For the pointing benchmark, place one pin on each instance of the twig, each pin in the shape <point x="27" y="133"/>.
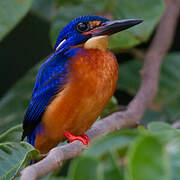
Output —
<point x="176" y="124"/>
<point x="138" y="54"/>
<point x="150" y="76"/>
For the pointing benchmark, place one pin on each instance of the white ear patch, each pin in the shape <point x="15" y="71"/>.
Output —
<point x="98" y="42"/>
<point x="60" y="44"/>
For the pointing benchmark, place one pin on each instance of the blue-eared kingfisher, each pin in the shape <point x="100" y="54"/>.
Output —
<point x="74" y="84"/>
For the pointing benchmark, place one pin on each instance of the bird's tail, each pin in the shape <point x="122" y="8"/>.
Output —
<point x="31" y="140"/>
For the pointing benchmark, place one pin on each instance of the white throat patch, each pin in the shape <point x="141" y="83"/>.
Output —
<point x="98" y="42"/>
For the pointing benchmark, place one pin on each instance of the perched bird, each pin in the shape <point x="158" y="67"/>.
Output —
<point x="74" y="84"/>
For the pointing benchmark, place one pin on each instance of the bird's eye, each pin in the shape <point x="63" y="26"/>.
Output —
<point x="82" y="27"/>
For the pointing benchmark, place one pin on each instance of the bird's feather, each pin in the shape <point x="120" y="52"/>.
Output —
<point x="50" y="81"/>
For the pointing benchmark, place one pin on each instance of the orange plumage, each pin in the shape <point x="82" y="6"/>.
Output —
<point x="91" y="83"/>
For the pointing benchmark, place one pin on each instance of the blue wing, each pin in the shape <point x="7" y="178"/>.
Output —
<point x="50" y="80"/>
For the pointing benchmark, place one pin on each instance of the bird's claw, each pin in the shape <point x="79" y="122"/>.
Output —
<point x="84" y="138"/>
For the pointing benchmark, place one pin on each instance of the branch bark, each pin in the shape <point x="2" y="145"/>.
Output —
<point x="131" y="117"/>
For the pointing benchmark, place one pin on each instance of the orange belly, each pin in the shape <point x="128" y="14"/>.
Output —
<point x="91" y="83"/>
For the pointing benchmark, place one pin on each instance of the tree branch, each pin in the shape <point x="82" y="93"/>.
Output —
<point x="129" y="118"/>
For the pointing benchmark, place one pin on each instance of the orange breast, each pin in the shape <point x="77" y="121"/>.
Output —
<point x="91" y="83"/>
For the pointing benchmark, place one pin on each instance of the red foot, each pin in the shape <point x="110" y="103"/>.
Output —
<point x="84" y="138"/>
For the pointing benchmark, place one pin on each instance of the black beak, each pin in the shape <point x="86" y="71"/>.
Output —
<point x="111" y="27"/>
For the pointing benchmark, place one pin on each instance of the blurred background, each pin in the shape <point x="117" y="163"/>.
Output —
<point x="28" y="30"/>
<point x="31" y="35"/>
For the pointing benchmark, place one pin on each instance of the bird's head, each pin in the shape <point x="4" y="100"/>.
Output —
<point x="91" y="32"/>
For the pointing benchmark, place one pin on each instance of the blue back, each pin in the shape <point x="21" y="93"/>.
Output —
<point x="50" y="80"/>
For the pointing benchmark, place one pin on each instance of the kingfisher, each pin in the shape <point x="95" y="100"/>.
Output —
<point x="74" y="84"/>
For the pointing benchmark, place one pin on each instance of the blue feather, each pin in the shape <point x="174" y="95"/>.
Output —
<point x="50" y="80"/>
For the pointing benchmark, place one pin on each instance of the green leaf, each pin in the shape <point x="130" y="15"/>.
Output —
<point x="169" y="94"/>
<point x="159" y="126"/>
<point x="112" y="141"/>
<point x="60" y="3"/>
<point x="163" y="131"/>
<point x="14" y="103"/>
<point x="129" y="80"/>
<point x="83" y="168"/>
<point x="110" y="167"/>
<point x="170" y="137"/>
<point x="151" y="115"/>
<point x="150" y="11"/>
<point x="44" y="9"/>
<point x="147" y="159"/>
<point x="129" y="76"/>
<point x="89" y="168"/>
<point x="13" y="156"/>
<point x="11" y="13"/>
<point x="12" y="135"/>
<point x="111" y="107"/>
<point x="173" y="150"/>
<point x="54" y="178"/>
